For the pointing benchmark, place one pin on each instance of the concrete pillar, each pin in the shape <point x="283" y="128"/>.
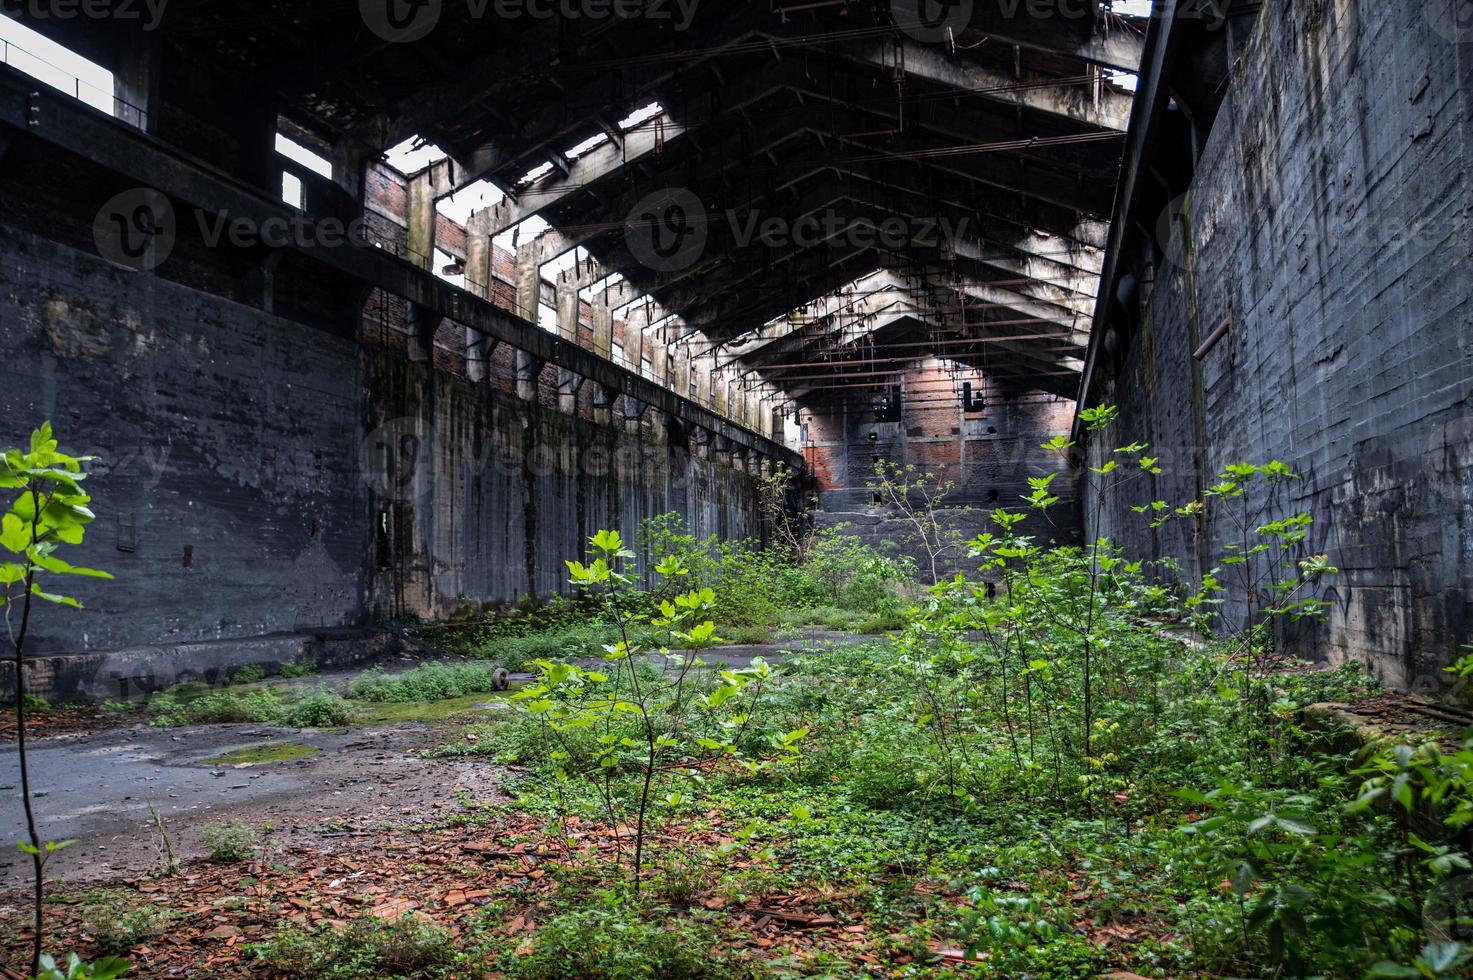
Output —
<point x="568" y="384"/>
<point x="633" y="410"/>
<point x="636" y="322"/>
<point x="603" y="330"/>
<point x="478" y="253"/>
<point x="567" y="306"/>
<point x="423" y="325"/>
<point x="421" y="221"/>
<point x="603" y="399"/>
<point x="136" y="80"/>
<point x="721" y="449"/>
<point x="529" y="280"/>
<point x="702" y="444"/>
<point x="528" y="369"/>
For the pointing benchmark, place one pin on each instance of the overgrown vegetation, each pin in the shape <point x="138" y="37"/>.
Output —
<point x="1066" y="762"/>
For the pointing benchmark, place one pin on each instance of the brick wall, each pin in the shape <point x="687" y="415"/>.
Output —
<point x="988" y="453"/>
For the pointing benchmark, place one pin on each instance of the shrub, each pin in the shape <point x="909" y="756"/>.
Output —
<point x="249" y="674"/>
<point x="218" y="708"/>
<point x="617" y="944"/>
<point x="428" y="682"/>
<point x="304" y="669"/>
<point x="230" y="843"/>
<point x="318" y="709"/>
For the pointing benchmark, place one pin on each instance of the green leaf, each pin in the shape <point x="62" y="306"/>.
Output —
<point x="60" y="600"/>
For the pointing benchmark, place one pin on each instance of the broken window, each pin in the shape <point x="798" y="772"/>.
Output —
<point x="588" y="293"/>
<point x="413" y="155"/>
<point x="588" y="145"/>
<point x="640" y="116"/>
<point x="535" y="174"/>
<point x="520" y="233"/>
<point x="449" y="268"/>
<point x="459" y="207"/>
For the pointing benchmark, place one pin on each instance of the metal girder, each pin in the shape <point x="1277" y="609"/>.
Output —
<point x="1073" y="101"/>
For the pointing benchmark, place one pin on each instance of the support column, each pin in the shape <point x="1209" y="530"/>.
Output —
<point x="529" y="280"/>
<point x="632" y="411"/>
<point x="136" y="80"/>
<point x="420" y="218"/>
<point x="567" y="308"/>
<point x="603" y="400"/>
<point x="702" y="440"/>
<point x="568" y="384"/>
<point x="528" y="369"/>
<point x="423" y="325"/>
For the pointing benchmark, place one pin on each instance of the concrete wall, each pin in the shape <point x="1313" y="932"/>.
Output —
<point x="259" y="476"/>
<point x="989" y="454"/>
<point x="1330" y="218"/>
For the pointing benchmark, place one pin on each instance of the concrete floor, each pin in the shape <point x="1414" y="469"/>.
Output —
<point x="96" y="787"/>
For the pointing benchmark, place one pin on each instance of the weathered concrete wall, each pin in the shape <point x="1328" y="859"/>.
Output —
<point x="1330" y="217"/>
<point x="262" y="477"/>
<point x="989" y="454"/>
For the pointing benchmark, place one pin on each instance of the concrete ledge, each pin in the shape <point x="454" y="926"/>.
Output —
<point x="136" y="671"/>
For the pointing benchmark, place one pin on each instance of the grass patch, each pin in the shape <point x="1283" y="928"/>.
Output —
<point x="427" y="712"/>
<point x="263" y="754"/>
<point x="428" y="682"/>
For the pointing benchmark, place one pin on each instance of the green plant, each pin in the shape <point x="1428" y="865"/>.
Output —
<point x="230" y="843"/>
<point x="50" y="510"/>
<point x="118" y="921"/>
<point x="618" y="944"/>
<point x="413" y="946"/>
<point x="654" y="725"/>
<point x="917" y="497"/>
<point x="306" y="668"/>
<point x="428" y="682"/>
<point x="107" y="968"/>
<point x="249" y="674"/>
<point x="318" y="709"/>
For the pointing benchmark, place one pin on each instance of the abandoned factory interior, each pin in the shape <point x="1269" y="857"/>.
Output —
<point x="736" y="489"/>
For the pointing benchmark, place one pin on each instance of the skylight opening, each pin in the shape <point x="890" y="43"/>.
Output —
<point x="297" y="153"/>
<point x="1131" y="8"/>
<point x="46" y="61"/>
<point x="459" y="207"/>
<point x="1124" y="79"/>
<point x="592" y="143"/>
<point x="413" y="155"/>
<point x="535" y="174"/>
<point x="640" y="116"/>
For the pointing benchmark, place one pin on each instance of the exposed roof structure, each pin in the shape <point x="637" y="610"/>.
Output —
<point x="822" y="189"/>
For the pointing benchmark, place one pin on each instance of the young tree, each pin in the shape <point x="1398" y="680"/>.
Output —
<point x="918" y="497"/>
<point x="50" y="509"/>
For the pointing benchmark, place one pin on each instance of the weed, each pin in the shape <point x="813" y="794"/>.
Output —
<point x="619" y="944"/>
<point x="305" y="668"/>
<point x="249" y="674"/>
<point x="230" y="843"/>
<point x="117" y="920"/>
<point x="412" y="947"/>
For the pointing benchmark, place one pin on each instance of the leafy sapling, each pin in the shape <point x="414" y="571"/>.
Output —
<point x="49" y="510"/>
